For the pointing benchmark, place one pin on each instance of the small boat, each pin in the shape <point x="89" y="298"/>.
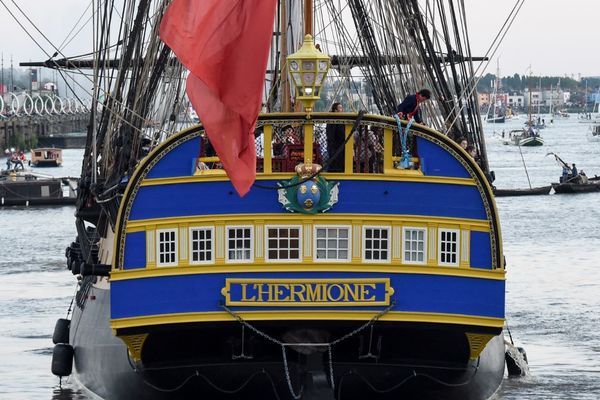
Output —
<point x="46" y="157"/>
<point x="499" y="119"/>
<point x="574" y="181"/>
<point x="27" y="189"/>
<point x="525" y="137"/>
<point x="541" y="190"/>
<point x="578" y="184"/>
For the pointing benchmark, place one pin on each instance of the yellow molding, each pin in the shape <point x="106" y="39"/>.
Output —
<point x="321" y="219"/>
<point x="396" y="175"/>
<point x="268" y="149"/>
<point x="308" y="142"/>
<point x="205" y="269"/>
<point x="348" y="150"/>
<point x="135" y="343"/>
<point x="477" y="343"/>
<point x="289" y="315"/>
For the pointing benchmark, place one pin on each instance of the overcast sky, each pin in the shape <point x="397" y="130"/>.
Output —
<point x="554" y="37"/>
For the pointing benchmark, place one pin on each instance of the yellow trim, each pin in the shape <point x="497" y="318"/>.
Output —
<point x="388" y="163"/>
<point x="137" y="228"/>
<point x="135" y="344"/>
<point x="296" y="315"/>
<point x="396" y="175"/>
<point x="298" y="219"/>
<point x="215" y="174"/>
<point x="268" y="149"/>
<point x="348" y="150"/>
<point x="308" y="142"/>
<point x="222" y="268"/>
<point x="477" y="343"/>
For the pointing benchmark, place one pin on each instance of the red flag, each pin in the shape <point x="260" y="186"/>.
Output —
<point x="225" y="45"/>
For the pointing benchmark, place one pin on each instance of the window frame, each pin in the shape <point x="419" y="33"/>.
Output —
<point x="364" y="244"/>
<point x="425" y="245"/>
<point x="170" y="264"/>
<point x="334" y="260"/>
<point x="439" y="249"/>
<point x="277" y="260"/>
<point x="191" y="241"/>
<point x="236" y="261"/>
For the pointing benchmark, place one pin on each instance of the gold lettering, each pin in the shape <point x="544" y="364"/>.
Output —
<point x="297" y="290"/>
<point x="340" y="293"/>
<point x="364" y="291"/>
<point x="315" y="293"/>
<point x="352" y="290"/>
<point x="278" y="291"/>
<point x="305" y="292"/>
<point x="260" y="292"/>
<point x="245" y="294"/>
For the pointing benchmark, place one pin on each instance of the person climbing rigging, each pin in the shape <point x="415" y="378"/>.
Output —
<point x="410" y="106"/>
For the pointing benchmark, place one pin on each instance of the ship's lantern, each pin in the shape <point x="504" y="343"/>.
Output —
<point x="308" y="69"/>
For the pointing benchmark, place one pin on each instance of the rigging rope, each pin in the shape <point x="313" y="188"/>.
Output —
<point x="403" y="134"/>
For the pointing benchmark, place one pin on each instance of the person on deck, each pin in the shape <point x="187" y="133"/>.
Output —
<point x="336" y="135"/>
<point x="565" y="174"/>
<point x="410" y="106"/>
<point x="463" y="142"/>
<point x="574" y="170"/>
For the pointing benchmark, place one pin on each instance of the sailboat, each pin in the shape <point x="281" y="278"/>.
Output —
<point x="385" y="278"/>
<point x="594" y="116"/>
<point x="529" y="135"/>
<point x="554" y="112"/>
<point x="493" y="115"/>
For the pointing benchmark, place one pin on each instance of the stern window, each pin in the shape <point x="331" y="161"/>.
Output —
<point x="414" y="246"/>
<point x="201" y="245"/>
<point x="167" y="247"/>
<point x="239" y="244"/>
<point x="376" y="244"/>
<point x="448" y="250"/>
<point x="332" y="244"/>
<point x="283" y="244"/>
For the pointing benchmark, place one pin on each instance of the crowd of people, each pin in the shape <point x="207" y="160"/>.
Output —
<point x="368" y="140"/>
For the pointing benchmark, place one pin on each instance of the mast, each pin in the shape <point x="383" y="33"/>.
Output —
<point x="286" y="104"/>
<point x="551" y="99"/>
<point x="308" y="17"/>
<point x="540" y="98"/>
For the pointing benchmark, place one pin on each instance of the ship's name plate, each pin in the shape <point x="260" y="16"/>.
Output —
<point x="307" y="292"/>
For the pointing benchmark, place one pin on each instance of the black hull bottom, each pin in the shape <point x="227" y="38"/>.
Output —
<point x="183" y="362"/>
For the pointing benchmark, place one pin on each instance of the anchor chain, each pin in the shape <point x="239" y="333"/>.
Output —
<point x="329" y="345"/>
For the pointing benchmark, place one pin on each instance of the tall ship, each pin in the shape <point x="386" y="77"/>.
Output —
<point x="372" y="268"/>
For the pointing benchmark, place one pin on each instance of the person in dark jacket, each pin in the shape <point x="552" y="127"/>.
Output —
<point x="336" y="135"/>
<point x="409" y="107"/>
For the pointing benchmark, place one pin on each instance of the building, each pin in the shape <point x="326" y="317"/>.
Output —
<point x="516" y="100"/>
<point x="484" y="99"/>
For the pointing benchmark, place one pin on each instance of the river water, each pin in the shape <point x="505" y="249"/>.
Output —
<point x="551" y="243"/>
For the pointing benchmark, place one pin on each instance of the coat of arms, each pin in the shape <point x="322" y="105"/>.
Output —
<point x="308" y="192"/>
